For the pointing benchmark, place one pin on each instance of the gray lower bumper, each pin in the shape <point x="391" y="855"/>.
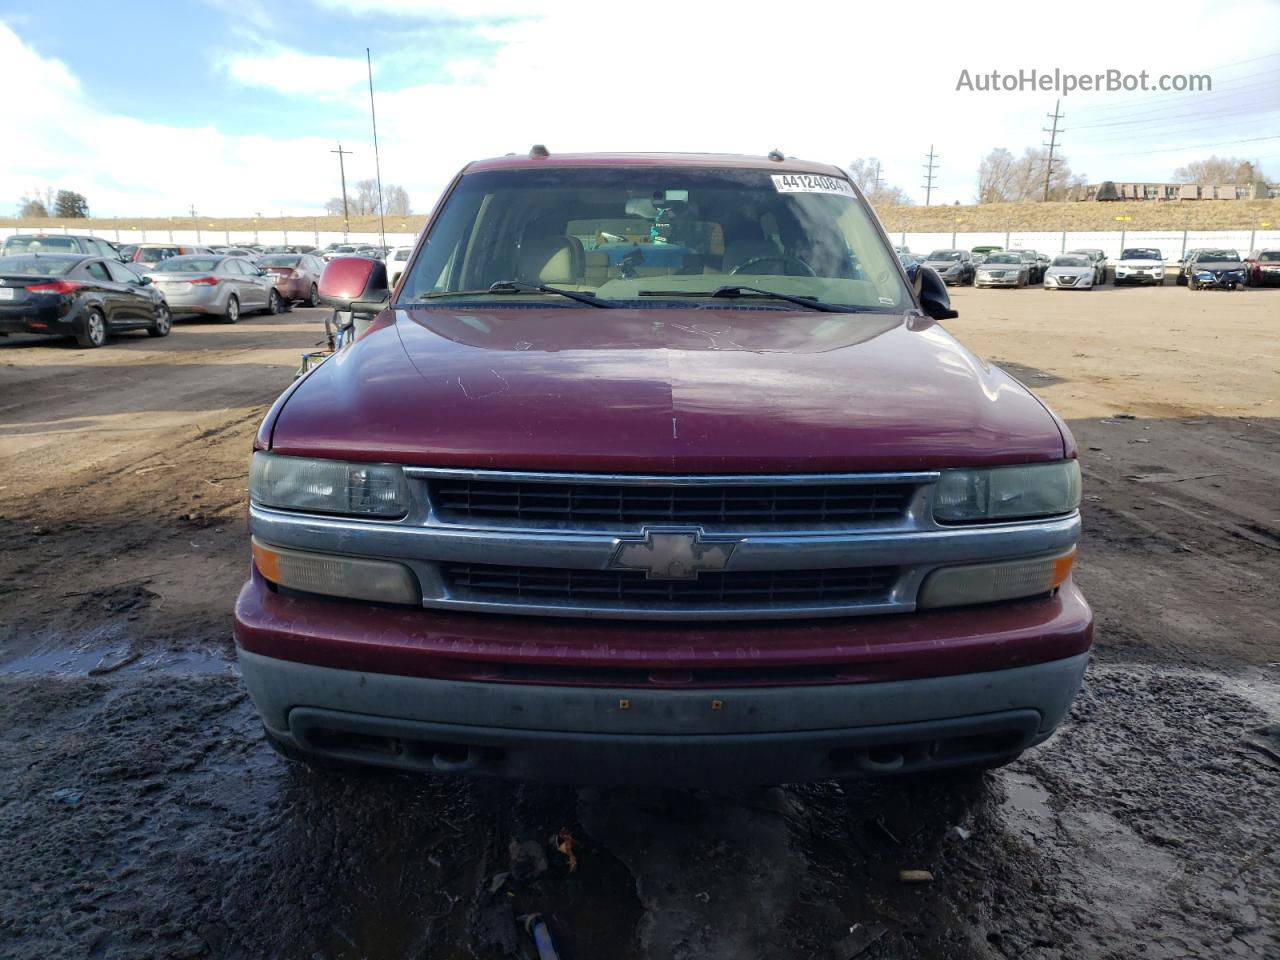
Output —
<point x="674" y="737"/>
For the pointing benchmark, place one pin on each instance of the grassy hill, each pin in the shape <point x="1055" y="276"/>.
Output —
<point x="1183" y="215"/>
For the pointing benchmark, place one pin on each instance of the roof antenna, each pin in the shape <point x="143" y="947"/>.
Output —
<point x="377" y="164"/>
<point x="538" y="150"/>
<point x="776" y="155"/>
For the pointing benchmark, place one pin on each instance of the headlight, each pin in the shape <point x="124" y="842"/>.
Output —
<point x="1007" y="493"/>
<point x="328" y="486"/>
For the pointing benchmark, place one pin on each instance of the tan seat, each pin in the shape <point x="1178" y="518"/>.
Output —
<point x="551" y="258"/>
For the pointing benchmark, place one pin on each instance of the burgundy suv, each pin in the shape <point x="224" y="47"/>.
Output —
<point x="658" y="468"/>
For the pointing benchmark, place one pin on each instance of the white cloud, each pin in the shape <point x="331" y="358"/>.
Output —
<point x="292" y="72"/>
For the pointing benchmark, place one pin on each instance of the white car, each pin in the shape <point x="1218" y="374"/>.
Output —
<point x="1070" y="271"/>
<point x="396" y="261"/>
<point x="1140" y="265"/>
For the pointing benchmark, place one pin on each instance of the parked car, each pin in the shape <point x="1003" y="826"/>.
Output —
<point x="1003" y="270"/>
<point x="1071" y="271"/>
<point x="776" y="526"/>
<point x="1262" y="268"/>
<point x="954" y="266"/>
<point x="1099" y="260"/>
<point x="297" y="275"/>
<point x="908" y="261"/>
<point x="74" y="295"/>
<point x="152" y="253"/>
<point x="1218" y="268"/>
<point x="341" y="250"/>
<point x="1140" y="265"/>
<point x="1036" y="265"/>
<point x="225" y="287"/>
<point x="59" y="243"/>
<point x="396" y="261"/>
<point x="980" y="253"/>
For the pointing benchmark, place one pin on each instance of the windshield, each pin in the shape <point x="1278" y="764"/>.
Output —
<point x="156" y="254"/>
<point x="35" y="266"/>
<point x="1141" y="253"/>
<point x="279" y="260"/>
<point x="1219" y="255"/>
<point x="187" y="265"/>
<point x="630" y="232"/>
<point x="1071" y="261"/>
<point x="1269" y="256"/>
<point x="1004" y="258"/>
<point x="41" y="245"/>
<point x="944" y="255"/>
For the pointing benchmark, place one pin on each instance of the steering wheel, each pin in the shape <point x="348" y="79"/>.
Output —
<point x="779" y="258"/>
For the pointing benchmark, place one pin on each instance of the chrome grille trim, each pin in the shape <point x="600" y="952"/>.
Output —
<point x="626" y="503"/>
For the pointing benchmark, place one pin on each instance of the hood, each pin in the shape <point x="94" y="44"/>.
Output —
<point x="662" y="391"/>
<point x="1069" y="272"/>
<point x="944" y="264"/>
<point x="1139" y="263"/>
<point x="1218" y="265"/>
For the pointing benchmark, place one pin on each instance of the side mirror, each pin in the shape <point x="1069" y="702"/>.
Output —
<point x="932" y="294"/>
<point x="144" y="280"/>
<point x="356" y="284"/>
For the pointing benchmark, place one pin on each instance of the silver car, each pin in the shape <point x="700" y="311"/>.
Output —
<point x="217" y="286"/>
<point x="1003" y="270"/>
<point x="1071" y="271"/>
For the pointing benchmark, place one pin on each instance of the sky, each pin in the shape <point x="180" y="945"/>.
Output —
<point x="233" y="106"/>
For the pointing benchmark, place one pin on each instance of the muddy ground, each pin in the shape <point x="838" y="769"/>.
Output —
<point x="141" y="814"/>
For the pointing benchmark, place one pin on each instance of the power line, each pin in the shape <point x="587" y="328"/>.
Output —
<point x="1174" y="120"/>
<point x="1201" y="126"/>
<point x="1194" y="146"/>
<point x="1200" y="103"/>
<point x="929" y="175"/>
<point x="1053" y="141"/>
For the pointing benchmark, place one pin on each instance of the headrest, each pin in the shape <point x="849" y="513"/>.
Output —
<point x="551" y="259"/>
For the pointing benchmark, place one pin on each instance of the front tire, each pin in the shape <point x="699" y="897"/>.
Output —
<point x="163" y="322"/>
<point x="233" y="310"/>
<point x="93" y="330"/>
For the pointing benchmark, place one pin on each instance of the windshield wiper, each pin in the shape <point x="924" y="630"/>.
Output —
<point x="735" y="290"/>
<point x="519" y="286"/>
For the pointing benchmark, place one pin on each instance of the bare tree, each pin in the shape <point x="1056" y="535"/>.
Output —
<point x="1004" y="179"/>
<point x="37" y="202"/>
<point x="365" y="199"/>
<point x="396" y="199"/>
<point x="1221" y="170"/>
<point x="333" y="206"/>
<point x="866" y="174"/>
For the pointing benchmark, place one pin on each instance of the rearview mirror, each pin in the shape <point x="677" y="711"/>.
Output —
<point x="347" y="281"/>
<point x="932" y="294"/>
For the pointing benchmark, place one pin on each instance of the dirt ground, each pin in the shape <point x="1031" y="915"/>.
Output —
<point x="141" y="814"/>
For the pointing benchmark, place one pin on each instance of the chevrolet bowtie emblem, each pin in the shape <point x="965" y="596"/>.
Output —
<point x="672" y="554"/>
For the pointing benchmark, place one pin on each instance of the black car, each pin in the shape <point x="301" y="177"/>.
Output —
<point x="954" y="266"/>
<point x="1035" y="265"/>
<point x="88" y="298"/>
<point x="59" y="243"/>
<point x="1215" y="268"/>
<point x="1187" y="257"/>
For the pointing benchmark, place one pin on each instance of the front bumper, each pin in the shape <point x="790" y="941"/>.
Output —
<point x="1077" y="283"/>
<point x="578" y="701"/>
<point x="1266" y="278"/>
<point x="1005" y="281"/>
<point x="1140" y="277"/>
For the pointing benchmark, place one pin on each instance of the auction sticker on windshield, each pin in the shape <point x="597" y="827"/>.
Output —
<point x="811" y="183"/>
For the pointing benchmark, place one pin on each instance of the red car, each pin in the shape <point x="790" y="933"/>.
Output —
<point x="659" y="469"/>
<point x="297" y="275"/>
<point x="1262" y="268"/>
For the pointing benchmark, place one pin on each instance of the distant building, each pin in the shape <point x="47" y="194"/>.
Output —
<point x="1118" y="190"/>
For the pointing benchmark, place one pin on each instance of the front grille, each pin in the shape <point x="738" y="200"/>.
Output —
<point x="835" y="505"/>
<point x="1067" y="281"/>
<point x="609" y="588"/>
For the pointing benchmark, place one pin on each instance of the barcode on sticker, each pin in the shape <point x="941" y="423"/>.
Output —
<point x="811" y="183"/>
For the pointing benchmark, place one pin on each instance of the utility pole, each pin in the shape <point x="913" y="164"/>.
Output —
<point x="195" y="223"/>
<point x="929" y="175"/>
<point x="875" y="183"/>
<point x="342" y="171"/>
<point x="1053" y="142"/>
